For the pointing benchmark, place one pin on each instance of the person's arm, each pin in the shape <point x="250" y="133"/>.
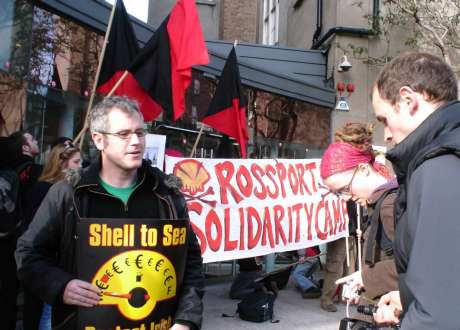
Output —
<point x="190" y="306"/>
<point x="37" y="248"/>
<point x="433" y="211"/>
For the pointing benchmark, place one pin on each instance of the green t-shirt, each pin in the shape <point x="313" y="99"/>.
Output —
<point x="122" y="193"/>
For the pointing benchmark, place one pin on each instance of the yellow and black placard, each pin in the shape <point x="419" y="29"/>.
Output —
<point x="138" y="264"/>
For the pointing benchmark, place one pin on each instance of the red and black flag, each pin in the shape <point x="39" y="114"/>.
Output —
<point x="164" y="66"/>
<point x="121" y="50"/>
<point x="227" y="111"/>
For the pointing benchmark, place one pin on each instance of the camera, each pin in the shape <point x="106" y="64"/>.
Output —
<point x="350" y="323"/>
<point x="344" y="64"/>
<point x="348" y="292"/>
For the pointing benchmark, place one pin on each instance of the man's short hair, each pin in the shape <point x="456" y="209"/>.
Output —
<point x="425" y="73"/>
<point x="17" y="140"/>
<point x="98" y="118"/>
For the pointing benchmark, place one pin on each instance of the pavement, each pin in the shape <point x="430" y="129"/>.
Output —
<point x="294" y="312"/>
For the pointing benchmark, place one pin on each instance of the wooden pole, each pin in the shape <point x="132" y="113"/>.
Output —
<point x="192" y="153"/>
<point x="98" y="71"/>
<point x="347" y="247"/>
<point x="114" y="88"/>
<point x="358" y="231"/>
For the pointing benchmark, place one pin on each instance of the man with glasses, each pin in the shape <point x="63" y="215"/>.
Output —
<point x="119" y="184"/>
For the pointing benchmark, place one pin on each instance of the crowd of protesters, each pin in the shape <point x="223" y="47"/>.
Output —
<point x="409" y="227"/>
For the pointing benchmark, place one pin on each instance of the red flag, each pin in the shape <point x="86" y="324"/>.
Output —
<point x="164" y="66"/>
<point x="227" y="111"/>
<point x="121" y="50"/>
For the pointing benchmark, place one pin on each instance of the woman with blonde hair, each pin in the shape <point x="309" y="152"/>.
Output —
<point x="62" y="157"/>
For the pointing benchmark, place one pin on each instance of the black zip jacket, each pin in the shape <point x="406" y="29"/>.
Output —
<point x="427" y="211"/>
<point x="45" y="253"/>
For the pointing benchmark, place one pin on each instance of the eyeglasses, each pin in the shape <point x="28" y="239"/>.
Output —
<point x="346" y="190"/>
<point x="127" y="134"/>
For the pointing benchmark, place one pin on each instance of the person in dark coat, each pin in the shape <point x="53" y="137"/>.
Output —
<point x="29" y="172"/>
<point x="415" y="97"/>
<point x="119" y="184"/>
<point x="348" y="168"/>
<point x="17" y="152"/>
<point x="9" y="204"/>
<point x="62" y="157"/>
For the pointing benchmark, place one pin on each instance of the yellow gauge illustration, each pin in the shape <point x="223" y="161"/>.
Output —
<point x="135" y="281"/>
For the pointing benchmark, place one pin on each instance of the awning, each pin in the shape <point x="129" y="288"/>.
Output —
<point x="295" y="73"/>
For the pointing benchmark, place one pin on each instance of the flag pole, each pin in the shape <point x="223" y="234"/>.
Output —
<point x="202" y="126"/>
<point x="98" y="71"/>
<point x="196" y="141"/>
<point x="119" y="81"/>
<point x="358" y="232"/>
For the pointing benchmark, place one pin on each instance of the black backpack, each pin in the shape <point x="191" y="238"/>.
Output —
<point x="10" y="204"/>
<point x="257" y="307"/>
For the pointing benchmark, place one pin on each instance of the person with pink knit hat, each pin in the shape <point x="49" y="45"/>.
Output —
<point x="349" y="169"/>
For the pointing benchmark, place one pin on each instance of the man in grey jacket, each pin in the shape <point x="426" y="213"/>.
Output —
<point x="415" y="97"/>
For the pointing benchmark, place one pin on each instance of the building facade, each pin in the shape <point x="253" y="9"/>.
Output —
<point x="338" y="28"/>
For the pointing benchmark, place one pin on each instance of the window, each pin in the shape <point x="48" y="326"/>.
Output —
<point x="271" y="22"/>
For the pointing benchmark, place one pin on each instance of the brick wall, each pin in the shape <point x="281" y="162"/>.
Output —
<point x="239" y="20"/>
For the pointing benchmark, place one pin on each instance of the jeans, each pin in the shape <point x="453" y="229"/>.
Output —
<point x="45" y="321"/>
<point x="303" y="274"/>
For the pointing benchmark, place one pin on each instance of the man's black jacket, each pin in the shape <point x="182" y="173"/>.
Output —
<point x="45" y="253"/>
<point x="427" y="211"/>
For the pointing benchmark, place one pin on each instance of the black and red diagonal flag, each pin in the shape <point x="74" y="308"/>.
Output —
<point x="227" y="111"/>
<point x="164" y="66"/>
<point x="121" y="50"/>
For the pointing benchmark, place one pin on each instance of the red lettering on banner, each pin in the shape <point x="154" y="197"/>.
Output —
<point x="343" y="227"/>
<point x="228" y="244"/>
<point x="293" y="179"/>
<point x="281" y="170"/>
<point x="296" y="208"/>
<point x="328" y="219"/>
<point x="309" y="212"/>
<point x="197" y="208"/>
<point x="301" y="171"/>
<point x="337" y="215"/>
<point x="321" y="235"/>
<point x="241" y="212"/>
<point x="213" y="220"/>
<point x="270" y="171"/>
<point x="310" y="167"/>
<point x="224" y="181"/>
<point x="258" y="172"/>
<point x="253" y="239"/>
<point x="290" y="224"/>
<point x="267" y="229"/>
<point x="279" y="216"/>
<point x="244" y="181"/>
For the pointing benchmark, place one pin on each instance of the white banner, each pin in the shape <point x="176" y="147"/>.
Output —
<point x="242" y="208"/>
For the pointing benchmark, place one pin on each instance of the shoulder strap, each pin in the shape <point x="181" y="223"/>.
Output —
<point x="375" y="224"/>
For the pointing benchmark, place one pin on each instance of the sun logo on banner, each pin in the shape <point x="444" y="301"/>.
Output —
<point x="135" y="281"/>
<point x="194" y="177"/>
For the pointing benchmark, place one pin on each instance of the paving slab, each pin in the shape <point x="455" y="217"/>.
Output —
<point x="294" y="312"/>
